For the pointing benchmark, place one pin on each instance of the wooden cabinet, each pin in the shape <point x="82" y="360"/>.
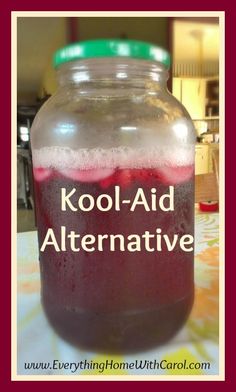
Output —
<point x="212" y="147"/>
<point x="203" y="158"/>
<point x="177" y="88"/>
<point x="200" y="96"/>
<point x="192" y="93"/>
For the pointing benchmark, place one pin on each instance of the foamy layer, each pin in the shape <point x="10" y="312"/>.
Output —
<point x="120" y="157"/>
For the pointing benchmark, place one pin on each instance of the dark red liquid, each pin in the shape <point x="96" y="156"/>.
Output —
<point x="116" y="301"/>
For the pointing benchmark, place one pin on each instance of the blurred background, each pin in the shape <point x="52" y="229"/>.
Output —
<point x="194" y="77"/>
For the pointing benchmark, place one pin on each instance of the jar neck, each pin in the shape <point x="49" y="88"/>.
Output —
<point x="113" y="73"/>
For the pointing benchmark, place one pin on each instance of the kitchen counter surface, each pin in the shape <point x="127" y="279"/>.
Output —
<point x="196" y="342"/>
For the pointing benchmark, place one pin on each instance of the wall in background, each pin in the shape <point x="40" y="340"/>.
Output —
<point x="38" y="38"/>
<point x="195" y="45"/>
<point x="49" y="80"/>
<point x="146" y="29"/>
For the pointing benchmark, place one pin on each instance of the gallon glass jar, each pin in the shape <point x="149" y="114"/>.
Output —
<point x="113" y="161"/>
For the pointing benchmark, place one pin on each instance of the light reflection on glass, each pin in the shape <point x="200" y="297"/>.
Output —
<point x="81" y="76"/>
<point x="66" y="128"/>
<point x="128" y="128"/>
<point x="121" y="75"/>
<point x="181" y="130"/>
<point x="155" y="76"/>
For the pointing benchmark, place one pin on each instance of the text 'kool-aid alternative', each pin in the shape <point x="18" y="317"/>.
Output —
<point x="113" y="163"/>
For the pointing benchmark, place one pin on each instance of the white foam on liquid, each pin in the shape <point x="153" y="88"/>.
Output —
<point x="61" y="158"/>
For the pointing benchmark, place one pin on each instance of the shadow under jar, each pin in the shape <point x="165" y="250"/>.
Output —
<point x="112" y="124"/>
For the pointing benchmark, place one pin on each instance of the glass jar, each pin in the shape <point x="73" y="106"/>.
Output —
<point x="113" y="159"/>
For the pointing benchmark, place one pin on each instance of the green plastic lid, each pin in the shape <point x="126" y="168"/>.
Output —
<point x="111" y="48"/>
